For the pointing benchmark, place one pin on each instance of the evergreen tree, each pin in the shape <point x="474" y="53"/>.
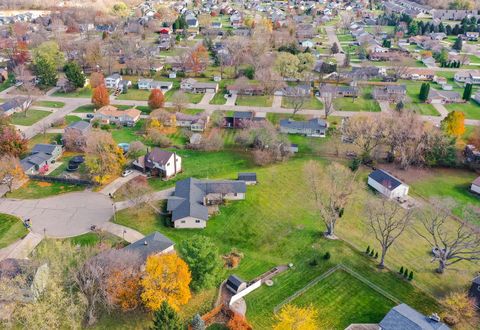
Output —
<point x="405" y="273"/>
<point x="410" y="276"/>
<point x="448" y="30"/>
<point x="165" y="318"/>
<point x="401" y="270"/>
<point x="367" y="251"/>
<point x="335" y="48"/>
<point x="467" y="92"/>
<point x="74" y="74"/>
<point x="376" y="255"/>
<point x="441" y="27"/>
<point x="458" y="44"/>
<point x="399" y="106"/>
<point x="372" y="253"/>
<point x="46" y="71"/>
<point x="198" y="323"/>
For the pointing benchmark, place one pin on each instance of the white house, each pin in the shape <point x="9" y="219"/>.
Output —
<point x="110" y="114"/>
<point x="159" y="163"/>
<point x="387" y="184"/>
<point x="150" y="84"/>
<point x="476" y="186"/>
<point x="470" y="77"/>
<point x="113" y="81"/>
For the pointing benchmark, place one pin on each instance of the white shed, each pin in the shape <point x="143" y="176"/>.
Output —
<point x="387" y="184"/>
<point x="476" y="186"/>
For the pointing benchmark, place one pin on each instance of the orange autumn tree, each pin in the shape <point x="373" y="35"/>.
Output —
<point x="166" y="278"/>
<point x="454" y="124"/>
<point x="156" y="99"/>
<point x="238" y="322"/>
<point x="100" y="96"/>
<point x="96" y="79"/>
<point x="123" y="288"/>
<point x="198" y="59"/>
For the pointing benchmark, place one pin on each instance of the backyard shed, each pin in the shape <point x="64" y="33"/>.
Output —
<point x="387" y="184"/>
<point x="249" y="178"/>
<point x="235" y="284"/>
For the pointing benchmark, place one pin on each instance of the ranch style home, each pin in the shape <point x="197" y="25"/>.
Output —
<point x="111" y="115"/>
<point x="387" y="184"/>
<point x="152" y="244"/>
<point x="160" y="163"/>
<point x="189" y="207"/>
<point x="150" y="84"/>
<point x="16" y="104"/>
<point x="194" y="86"/>
<point x="40" y="158"/>
<point x="314" y="127"/>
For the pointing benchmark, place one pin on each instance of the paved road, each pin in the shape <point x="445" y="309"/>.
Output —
<point x="332" y="38"/>
<point x="156" y="196"/>
<point x="64" y="215"/>
<point x="113" y="186"/>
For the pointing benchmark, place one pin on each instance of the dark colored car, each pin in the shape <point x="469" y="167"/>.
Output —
<point x="74" y="163"/>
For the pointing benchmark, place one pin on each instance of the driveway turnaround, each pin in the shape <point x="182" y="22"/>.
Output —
<point x="64" y="215"/>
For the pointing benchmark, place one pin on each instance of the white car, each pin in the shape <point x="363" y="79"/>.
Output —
<point x="126" y="173"/>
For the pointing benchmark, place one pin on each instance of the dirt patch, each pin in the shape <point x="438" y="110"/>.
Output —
<point x="44" y="184"/>
<point x="232" y="260"/>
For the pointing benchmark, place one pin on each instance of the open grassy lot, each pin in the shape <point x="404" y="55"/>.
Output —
<point x="364" y="102"/>
<point x="471" y="109"/>
<point x="49" y="104"/>
<point x="11" y="229"/>
<point x="311" y="104"/>
<point x="32" y="117"/>
<point x="82" y="92"/>
<point x="219" y="98"/>
<point x="278" y="205"/>
<point x="37" y="189"/>
<point x="135" y="94"/>
<point x="413" y="91"/>
<point x="255" y="101"/>
<point x="359" y="303"/>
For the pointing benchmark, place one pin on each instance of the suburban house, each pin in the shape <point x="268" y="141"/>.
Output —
<point x="113" y="81"/>
<point x="36" y="276"/>
<point x="152" y="244"/>
<point x="476" y="97"/>
<point x="17" y="104"/>
<point x="339" y="91"/>
<point x="150" y="84"/>
<point x="112" y="115"/>
<point x="190" y="205"/>
<point x="443" y="97"/>
<point x="472" y="36"/>
<point x="418" y="74"/>
<point x="474" y="290"/>
<point x="240" y="119"/>
<point x="235" y="284"/>
<point x="40" y="158"/>
<point x="404" y="317"/>
<point x="158" y="162"/>
<point x="390" y="93"/>
<point x="387" y="184"/>
<point x="468" y="77"/>
<point x="196" y="123"/>
<point x="249" y="178"/>
<point x="194" y="86"/>
<point x="79" y="130"/>
<point x="475" y="187"/>
<point x="245" y="89"/>
<point x="315" y="127"/>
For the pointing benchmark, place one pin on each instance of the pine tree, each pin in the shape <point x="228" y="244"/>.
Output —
<point x="367" y="251"/>
<point x="410" y="276"/>
<point x="401" y="270"/>
<point x="165" y="318"/>
<point x="376" y="255"/>
<point x="334" y="48"/>
<point x="458" y="44"/>
<point x="74" y="74"/>
<point x="405" y="273"/>
<point x="198" y="323"/>
<point x="467" y="93"/>
<point x="372" y="253"/>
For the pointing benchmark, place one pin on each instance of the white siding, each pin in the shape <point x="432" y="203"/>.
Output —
<point x="400" y="191"/>
<point x="475" y="188"/>
<point x="190" y="222"/>
<point x="246" y="291"/>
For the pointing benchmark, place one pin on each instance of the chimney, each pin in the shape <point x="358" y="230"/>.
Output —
<point x="145" y="243"/>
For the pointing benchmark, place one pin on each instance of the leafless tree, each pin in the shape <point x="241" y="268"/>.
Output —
<point x="136" y="149"/>
<point x="238" y="49"/>
<point x="330" y="189"/>
<point x="400" y="65"/>
<point x="297" y="97"/>
<point x="327" y="99"/>
<point x="179" y="101"/>
<point x="449" y="245"/>
<point x="269" y="79"/>
<point x="387" y="220"/>
<point x="137" y="190"/>
<point x="366" y="132"/>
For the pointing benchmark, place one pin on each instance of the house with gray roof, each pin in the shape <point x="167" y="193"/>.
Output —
<point x="152" y="244"/>
<point x="315" y="127"/>
<point x="404" y="317"/>
<point x="193" y="86"/>
<point x="16" y="104"/>
<point x="158" y="162"/>
<point x="189" y="206"/>
<point x="391" y="93"/>
<point x="387" y="184"/>
<point x="40" y="158"/>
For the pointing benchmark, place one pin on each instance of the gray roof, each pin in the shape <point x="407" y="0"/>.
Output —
<point x="313" y="124"/>
<point x="385" y="179"/>
<point x="158" y="156"/>
<point x="12" y="104"/>
<point x="247" y="176"/>
<point x="44" y="148"/>
<point x="151" y="244"/>
<point x="404" y="317"/>
<point x="243" y="114"/>
<point x="190" y="193"/>
<point x="34" y="160"/>
<point x="234" y="282"/>
<point x="81" y="125"/>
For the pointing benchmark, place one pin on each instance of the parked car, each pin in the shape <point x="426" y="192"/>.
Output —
<point x="74" y="163"/>
<point x="127" y="173"/>
<point x="90" y="115"/>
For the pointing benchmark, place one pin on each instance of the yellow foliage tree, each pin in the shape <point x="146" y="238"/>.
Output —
<point x="460" y="306"/>
<point x="292" y="317"/>
<point x="454" y="124"/>
<point x="167" y="277"/>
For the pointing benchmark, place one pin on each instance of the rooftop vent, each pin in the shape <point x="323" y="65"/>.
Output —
<point x="434" y="317"/>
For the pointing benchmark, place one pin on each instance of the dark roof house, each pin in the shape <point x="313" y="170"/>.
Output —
<point x="249" y="178"/>
<point x="315" y="127"/>
<point x="152" y="244"/>
<point x="404" y="317"/>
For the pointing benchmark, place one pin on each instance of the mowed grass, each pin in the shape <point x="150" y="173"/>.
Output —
<point x="32" y="117"/>
<point x="413" y="91"/>
<point x="364" y="102"/>
<point x="135" y="94"/>
<point x="254" y="101"/>
<point x="219" y="98"/>
<point x="276" y="225"/>
<point x="85" y="92"/>
<point x="311" y="104"/>
<point x="38" y="189"/>
<point x="44" y="138"/>
<point x="471" y="109"/>
<point x="359" y="302"/>
<point x="11" y="229"/>
<point x="49" y="104"/>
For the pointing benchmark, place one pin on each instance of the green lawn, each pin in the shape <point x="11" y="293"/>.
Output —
<point x="128" y="134"/>
<point x="345" y="37"/>
<point x="219" y="98"/>
<point x="413" y="91"/>
<point x="194" y="97"/>
<point x="360" y="303"/>
<point x="37" y="189"/>
<point x="44" y="138"/>
<point x="11" y="229"/>
<point x="471" y="109"/>
<point x="69" y="119"/>
<point x="89" y="108"/>
<point x="278" y="205"/>
<point x="311" y="104"/>
<point x="94" y="238"/>
<point x="135" y="94"/>
<point x="364" y="102"/>
<point x="5" y="85"/>
<point x="82" y="92"/>
<point x="49" y="104"/>
<point x="32" y="117"/>
<point x="255" y="101"/>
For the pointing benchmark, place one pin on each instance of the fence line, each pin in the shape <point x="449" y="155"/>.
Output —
<point x="59" y="179"/>
<point x="330" y="272"/>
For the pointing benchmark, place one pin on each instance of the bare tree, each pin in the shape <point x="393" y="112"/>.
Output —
<point x="330" y="189"/>
<point x="137" y="190"/>
<point x="366" y="132"/>
<point x="327" y="99"/>
<point x="179" y="101"/>
<point x="449" y="245"/>
<point x="11" y="172"/>
<point x="297" y="97"/>
<point x="387" y="220"/>
<point x="269" y="79"/>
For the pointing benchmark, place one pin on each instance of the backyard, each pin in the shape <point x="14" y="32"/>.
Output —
<point x="11" y="229"/>
<point x="311" y="104"/>
<point x="38" y="189"/>
<point x="31" y="118"/>
<point x="471" y="109"/>
<point x="364" y="102"/>
<point x="414" y="103"/>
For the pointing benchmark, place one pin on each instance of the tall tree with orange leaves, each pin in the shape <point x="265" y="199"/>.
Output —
<point x="156" y="100"/>
<point x="167" y="278"/>
<point x="454" y="124"/>
<point x="197" y="60"/>
<point x="100" y="96"/>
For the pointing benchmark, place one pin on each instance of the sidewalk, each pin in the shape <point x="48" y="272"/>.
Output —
<point x="21" y="249"/>
<point x="128" y="234"/>
<point x="113" y="186"/>
<point x="156" y="196"/>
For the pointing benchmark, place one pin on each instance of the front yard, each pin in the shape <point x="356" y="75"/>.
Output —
<point x="311" y="104"/>
<point x="85" y="92"/>
<point x="32" y="117"/>
<point x="364" y="102"/>
<point x="254" y="101"/>
<point x="471" y="109"/>
<point x="38" y="189"/>
<point x="11" y="229"/>
<point x="49" y="104"/>
<point x="413" y="91"/>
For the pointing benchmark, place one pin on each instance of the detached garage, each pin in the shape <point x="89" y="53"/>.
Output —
<point x="387" y="184"/>
<point x="476" y="186"/>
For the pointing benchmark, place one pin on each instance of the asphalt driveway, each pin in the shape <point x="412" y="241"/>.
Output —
<point x="64" y="215"/>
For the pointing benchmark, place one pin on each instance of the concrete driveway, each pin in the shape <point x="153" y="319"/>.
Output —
<point x="64" y="215"/>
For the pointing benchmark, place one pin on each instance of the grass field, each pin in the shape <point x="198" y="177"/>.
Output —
<point x="311" y="104"/>
<point x="11" y="229"/>
<point x="49" y="104"/>
<point x="255" y="101"/>
<point x="413" y="90"/>
<point x="364" y="102"/>
<point x="36" y="189"/>
<point x="69" y="119"/>
<point x="471" y="109"/>
<point x="219" y="98"/>
<point x="128" y="134"/>
<point x="32" y="117"/>
<point x="135" y="94"/>
<point x="89" y="108"/>
<point x="278" y="205"/>
<point x="82" y="92"/>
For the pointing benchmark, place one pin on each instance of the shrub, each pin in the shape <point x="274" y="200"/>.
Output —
<point x="314" y="262"/>
<point x="405" y="273"/>
<point x="410" y="276"/>
<point x="372" y="253"/>
<point x="376" y="255"/>
<point x="326" y="256"/>
<point x="354" y="164"/>
<point x="401" y="270"/>
<point x="367" y="251"/>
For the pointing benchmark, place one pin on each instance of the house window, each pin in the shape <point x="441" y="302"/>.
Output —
<point x="168" y="164"/>
<point x="197" y="221"/>
<point x="183" y="221"/>
<point x="235" y="194"/>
